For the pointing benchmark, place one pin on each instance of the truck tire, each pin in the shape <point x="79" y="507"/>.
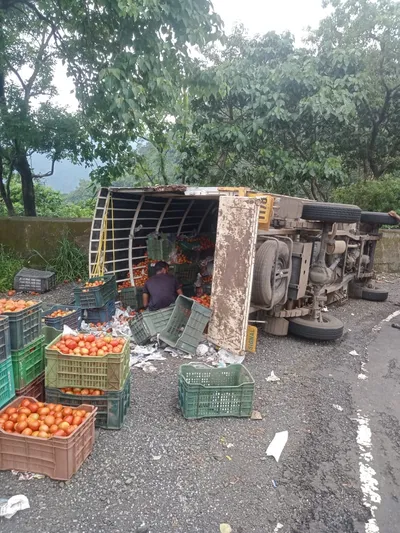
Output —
<point x="325" y="212"/>
<point x="355" y="289"/>
<point x="375" y="295"/>
<point x="378" y="218"/>
<point x="330" y="329"/>
<point x="262" y="290"/>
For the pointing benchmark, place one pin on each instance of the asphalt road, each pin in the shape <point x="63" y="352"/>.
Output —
<point x="339" y="472"/>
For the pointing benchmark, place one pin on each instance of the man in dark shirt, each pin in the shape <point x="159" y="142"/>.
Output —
<point x="162" y="289"/>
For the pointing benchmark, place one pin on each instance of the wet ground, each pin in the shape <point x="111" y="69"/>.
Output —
<point x="339" y="472"/>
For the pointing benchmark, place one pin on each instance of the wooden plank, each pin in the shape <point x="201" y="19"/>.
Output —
<point x="233" y="271"/>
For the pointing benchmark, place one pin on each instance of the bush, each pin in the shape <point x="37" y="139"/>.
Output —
<point x="10" y="265"/>
<point x="70" y="263"/>
<point x="377" y="195"/>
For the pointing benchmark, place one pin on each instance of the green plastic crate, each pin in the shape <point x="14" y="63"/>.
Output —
<point x="92" y="297"/>
<point x="7" y="388"/>
<point x="50" y="334"/>
<point x="132" y="297"/>
<point x="73" y="320"/>
<point x="139" y="330"/>
<point x="160" y="246"/>
<point x="25" y="326"/>
<point x="108" y="372"/>
<point x="28" y="363"/>
<point x="206" y="392"/>
<point x="112" y="407"/>
<point x="186" y="326"/>
<point x="186" y="273"/>
<point x="149" y="323"/>
<point x="5" y="345"/>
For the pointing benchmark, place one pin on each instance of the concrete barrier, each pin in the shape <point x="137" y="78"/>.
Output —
<point x="387" y="255"/>
<point x="28" y="235"/>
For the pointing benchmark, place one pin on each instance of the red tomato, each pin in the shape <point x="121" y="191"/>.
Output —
<point x="27" y="431"/>
<point x="8" y="425"/>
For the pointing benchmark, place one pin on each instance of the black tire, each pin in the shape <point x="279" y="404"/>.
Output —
<point x="330" y="329"/>
<point x="263" y="269"/>
<point x="331" y="212"/>
<point x="378" y="218"/>
<point x="375" y="295"/>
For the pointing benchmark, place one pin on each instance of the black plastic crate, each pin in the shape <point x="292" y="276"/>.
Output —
<point x="95" y="297"/>
<point x="73" y="320"/>
<point x="25" y="326"/>
<point x="5" y="344"/>
<point x="101" y="314"/>
<point x="30" y="280"/>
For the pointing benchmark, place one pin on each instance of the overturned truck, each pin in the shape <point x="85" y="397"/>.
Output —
<point x="279" y="260"/>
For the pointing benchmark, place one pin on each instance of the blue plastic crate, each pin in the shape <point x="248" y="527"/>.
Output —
<point x="100" y="314"/>
<point x="73" y="320"/>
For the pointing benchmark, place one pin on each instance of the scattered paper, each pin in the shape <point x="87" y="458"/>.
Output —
<point x="353" y="352"/>
<point x="26" y="476"/>
<point x="225" y="528"/>
<point x="229" y="445"/>
<point x="273" y="377"/>
<point x="278" y="443"/>
<point x="362" y="376"/>
<point x="256" y="415"/>
<point x="9" y="507"/>
<point x="338" y="407"/>
<point x="156" y="457"/>
<point x="202" y="350"/>
<point x="229" y="358"/>
<point x="278" y="527"/>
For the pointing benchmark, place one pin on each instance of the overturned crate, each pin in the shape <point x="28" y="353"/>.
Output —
<point x="30" y="280"/>
<point x="149" y="323"/>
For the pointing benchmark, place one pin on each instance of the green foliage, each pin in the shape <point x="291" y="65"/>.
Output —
<point x="374" y="195"/>
<point x="49" y="203"/>
<point x="70" y="262"/>
<point x="10" y="265"/>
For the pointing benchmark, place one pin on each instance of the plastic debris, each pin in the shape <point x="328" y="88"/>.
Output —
<point x="229" y="358"/>
<point x="273" y="377"/>
<point x="156" y="457"/>
<point x="353" y="352"/>
<point x="9" y="507"/>
<point x="274" y="483"/>
<point x="229" y="457"/>
<point x="202" y="350"/>
<point x="278" y="527"/>
<point x="229" y="445"/>
<point x="338" y="407"/>
<point x="362" y="376"/>
<point x="26" y="476"/>
<point x="225" y="528"/>
<point x="278" y="443"/>
<point x="256" y="415"/>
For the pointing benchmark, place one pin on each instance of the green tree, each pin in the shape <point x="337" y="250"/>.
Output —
<point x="126" y="59"/>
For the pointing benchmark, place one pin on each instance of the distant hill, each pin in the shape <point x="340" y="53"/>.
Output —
<point x="66" y="175"/>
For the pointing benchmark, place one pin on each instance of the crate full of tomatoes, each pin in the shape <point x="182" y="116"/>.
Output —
<point x="96" y="292"/>
<point x="24" y="320"/>
<point x="112" y="406"/>
<point x="63" y="315"/>
<point x="87" y="361"/>
<point x="45" y="438"/>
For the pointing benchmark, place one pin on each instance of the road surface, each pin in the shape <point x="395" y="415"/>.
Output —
<point x="339" y="472"/>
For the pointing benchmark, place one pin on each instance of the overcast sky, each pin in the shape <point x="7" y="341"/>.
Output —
<point x="258" y="16"/>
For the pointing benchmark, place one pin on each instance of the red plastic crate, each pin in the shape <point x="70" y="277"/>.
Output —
<point x="35" y="389"/>
<point x="58" y="457"/>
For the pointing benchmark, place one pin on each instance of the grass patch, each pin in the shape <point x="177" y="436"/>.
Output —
<point x="70" y="263"/>
<point x="10" y="265"/>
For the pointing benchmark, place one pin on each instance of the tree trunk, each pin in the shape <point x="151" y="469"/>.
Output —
<point x="5" y="192"/>
<point x="28" y="190"/>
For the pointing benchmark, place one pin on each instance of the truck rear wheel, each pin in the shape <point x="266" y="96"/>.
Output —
<point x="325" y="212"/>
<point x="378" y="218"/>
<point x="375" y="295"/>
<point x="266" y="290"/>
<point x="330" y="329"/>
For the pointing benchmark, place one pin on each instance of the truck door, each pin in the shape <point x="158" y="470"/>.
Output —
<point x="233" y="271"/>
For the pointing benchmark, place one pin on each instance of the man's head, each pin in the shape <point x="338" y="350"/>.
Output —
<point x="161" y="267"/>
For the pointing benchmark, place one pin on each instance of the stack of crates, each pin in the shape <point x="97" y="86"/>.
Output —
<point x="72" y="379"/>
<point x="97" y="303"/>
<point x="21" y="338"/>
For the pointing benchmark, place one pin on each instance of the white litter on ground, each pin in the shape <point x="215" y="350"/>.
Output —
<point x="362" y="376"/>
<point x="353" y="352"/>
<point x="369" y="484"/>
<point x="277" y="444"/>
<point x="272" y="377"/>
<point x="390" y="317"/>
<point x="278" y="527"/>
<point x="338" y="407"/>
<point x="8" y="507"/>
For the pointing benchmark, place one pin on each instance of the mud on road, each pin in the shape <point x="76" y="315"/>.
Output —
<point x="179" y="476"/>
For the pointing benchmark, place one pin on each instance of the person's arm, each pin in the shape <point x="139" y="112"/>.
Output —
<point x="394" y="215"/>
<point x="178" y="287"/>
